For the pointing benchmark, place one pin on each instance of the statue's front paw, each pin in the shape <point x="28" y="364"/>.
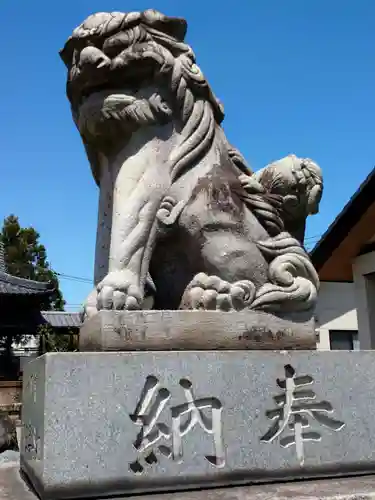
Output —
<point x="120" y="290"/>
<point x="212" y="293"/>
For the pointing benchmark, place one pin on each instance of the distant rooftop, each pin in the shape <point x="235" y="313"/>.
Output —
<point x="12" y="285"/>
<point x="63" y="319"/>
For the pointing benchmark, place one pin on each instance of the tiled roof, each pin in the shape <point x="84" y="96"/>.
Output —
<point x="63" y="319"/>
<point x="12" y="285"/>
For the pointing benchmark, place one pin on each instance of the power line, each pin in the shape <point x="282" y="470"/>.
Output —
<point x="73" y="278"/>
<point x="310" y="240"/>
<point x="56" y="273"/>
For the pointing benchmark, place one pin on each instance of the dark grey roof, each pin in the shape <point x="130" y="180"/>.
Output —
<point x="12" y="285"/>
<point x="63" y="319"/>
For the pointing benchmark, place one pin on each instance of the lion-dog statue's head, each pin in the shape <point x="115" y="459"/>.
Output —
<point x="128" y="70"/>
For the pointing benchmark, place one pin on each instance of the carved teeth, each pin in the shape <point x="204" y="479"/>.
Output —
<point x="125" y="99"/>
<point x="108" y="97"/>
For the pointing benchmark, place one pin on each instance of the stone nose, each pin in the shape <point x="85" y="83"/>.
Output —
<point x="91" y="56"/>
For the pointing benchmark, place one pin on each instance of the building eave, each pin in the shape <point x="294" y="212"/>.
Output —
<point x="63" y="319"/>
<point x="349" y="232"/>
<point x="12" y="285"/>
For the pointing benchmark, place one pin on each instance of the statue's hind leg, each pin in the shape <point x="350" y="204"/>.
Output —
<point x="212" y="293"/>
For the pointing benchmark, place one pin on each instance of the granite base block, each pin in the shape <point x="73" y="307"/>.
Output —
<point x="101" y="424"/>
<point x="13" y="487"/>
<point x="203" y="330"/>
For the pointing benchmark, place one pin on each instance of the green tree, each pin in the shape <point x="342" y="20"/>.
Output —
<point x="54" y="342"/>
<point x="26" y="257"/>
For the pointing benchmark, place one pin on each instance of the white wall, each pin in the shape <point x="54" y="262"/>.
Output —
<point x="336" y="310"/>
<point x="363" y="268"/>
<point x="30" y="345"/>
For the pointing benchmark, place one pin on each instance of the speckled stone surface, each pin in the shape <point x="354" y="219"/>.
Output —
<point x="13" y="487"/>
<point x="196" y="330"/>
<point x="271" y="415"/>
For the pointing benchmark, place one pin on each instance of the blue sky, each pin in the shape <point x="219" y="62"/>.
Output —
<point x="295" y="76"/>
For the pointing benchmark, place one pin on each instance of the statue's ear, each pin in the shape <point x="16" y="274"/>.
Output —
<point x="173" y="26"/>
<point x="314" y="198"/>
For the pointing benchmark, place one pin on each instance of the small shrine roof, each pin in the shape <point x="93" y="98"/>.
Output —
<point x="12" y="285"/>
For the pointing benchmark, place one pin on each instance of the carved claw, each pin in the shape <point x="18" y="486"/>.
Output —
<point x="212" y="293"/>
<point x="120" y="290"/>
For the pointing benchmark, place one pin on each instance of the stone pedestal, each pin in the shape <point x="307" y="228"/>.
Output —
<point x="202" y="330"/>
<point x="12" y="487"/>
<point x="102" y="424"/>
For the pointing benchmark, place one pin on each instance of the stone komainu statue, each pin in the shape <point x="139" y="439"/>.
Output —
<point x="182" y="219"/>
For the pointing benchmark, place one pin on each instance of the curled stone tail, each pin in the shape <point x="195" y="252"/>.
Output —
<point x="293" y="282"/>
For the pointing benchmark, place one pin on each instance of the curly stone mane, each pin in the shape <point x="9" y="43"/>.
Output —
<point x="159" y="39"/>
<point x="149" y="47"/>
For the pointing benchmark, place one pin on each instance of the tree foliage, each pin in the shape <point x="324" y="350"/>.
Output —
<point x="52" y="342"/>
<point x="26" y="257"/>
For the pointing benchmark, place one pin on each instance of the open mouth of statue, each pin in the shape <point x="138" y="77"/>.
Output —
<point x="110" y="98"/>
<point x="106" y="94"/>
<point x="90" y="90"/>
<point x="126" y="74"/>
